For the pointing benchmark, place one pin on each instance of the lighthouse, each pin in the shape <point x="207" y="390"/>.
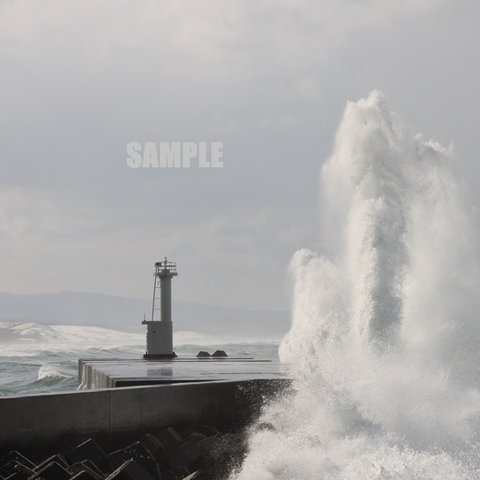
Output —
<point x="160" y="327"/>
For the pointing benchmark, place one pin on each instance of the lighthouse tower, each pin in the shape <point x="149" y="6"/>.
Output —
<point x="159" y="328"/>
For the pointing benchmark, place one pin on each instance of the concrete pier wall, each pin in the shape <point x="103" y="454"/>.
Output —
<point x="45" y="422"/>
<point x="112" y="373"/>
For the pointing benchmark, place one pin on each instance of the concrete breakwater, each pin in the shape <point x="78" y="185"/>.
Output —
<point x="41" y="423"/>
<point x="169" y="454"/>
<point x="113" y="373"/>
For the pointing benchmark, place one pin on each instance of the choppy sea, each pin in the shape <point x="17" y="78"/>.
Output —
<point x="40" y="359"/>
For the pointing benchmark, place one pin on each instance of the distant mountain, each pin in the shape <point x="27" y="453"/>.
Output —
<point x="120" y="313"/>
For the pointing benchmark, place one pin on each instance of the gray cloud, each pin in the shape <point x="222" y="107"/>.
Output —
<point x="268" y="78"/>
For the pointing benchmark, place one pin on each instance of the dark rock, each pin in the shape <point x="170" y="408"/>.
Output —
<point x="186" y="454"/>
<point x="176" y="473"/>
<point x="131" y="470"/>
<point x="219" y="353"/>
<point x="90" y="450"/>
<point x="156" y="448"/>
<point x="185" y="432"/>
<point x="83" y="475"/>
<point x="195" y="437"/>
<point x="199" y="475"/>
<point x="60" y="459"/>
<point x="139" y="452"/>
<point x="88" y="464"/>
<point x="208" y="430"/>
<point x="17" y="476"/>
<point x="203" y="354"/>
<point x="16" y="457"/>
<point x="208" y="450"/>
<point x="151" y="442"/>
<point x="169" y="437"/>
<point x="19" y="472"/>
<point x="51" y="471"/>
<point x="89" y="467"/>
<point x="193" y="476"/>
<point x="191" y="452"/>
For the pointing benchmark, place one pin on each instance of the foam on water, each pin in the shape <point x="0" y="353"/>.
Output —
<point x="51" y="372"/>
<point x="384" y="343"/>
<point x="37" y="358"/>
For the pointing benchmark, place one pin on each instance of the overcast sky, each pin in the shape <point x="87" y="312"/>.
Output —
<point x="270" y="79"/>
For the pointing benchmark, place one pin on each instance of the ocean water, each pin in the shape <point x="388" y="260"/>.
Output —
<point x="42" y="359"/>
<point x="385" y="340"/>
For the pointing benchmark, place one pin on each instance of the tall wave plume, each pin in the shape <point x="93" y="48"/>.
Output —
<point x="385" y="338"/>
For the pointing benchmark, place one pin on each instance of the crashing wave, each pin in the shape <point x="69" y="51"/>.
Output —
<point x="385" y="335"/>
